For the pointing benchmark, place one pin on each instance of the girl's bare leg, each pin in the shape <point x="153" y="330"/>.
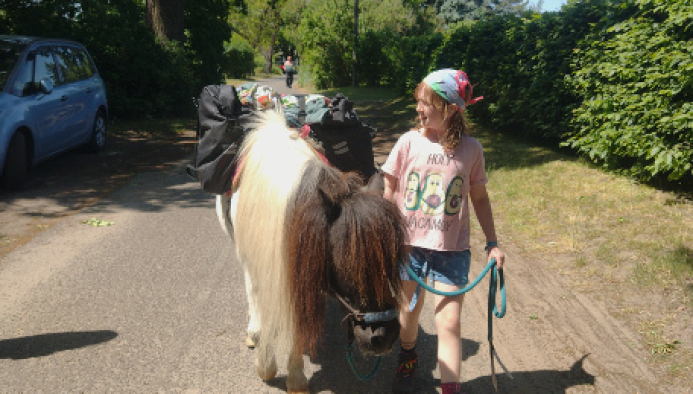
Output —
<point x="448" y="328"/>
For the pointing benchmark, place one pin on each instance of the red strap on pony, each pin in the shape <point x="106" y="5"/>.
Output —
<point x="305" y="130"/>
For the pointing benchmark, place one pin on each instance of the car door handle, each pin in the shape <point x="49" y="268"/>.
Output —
<point x="88" y="90"/>
<point x="63" y="98"/>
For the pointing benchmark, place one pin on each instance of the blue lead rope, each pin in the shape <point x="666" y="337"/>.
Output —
<point x="370" y="375"/>
<point x="496" y="277"/>
<point x="496" y="280"/>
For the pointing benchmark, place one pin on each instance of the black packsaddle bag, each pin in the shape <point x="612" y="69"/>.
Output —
<point x="222" y="122"/>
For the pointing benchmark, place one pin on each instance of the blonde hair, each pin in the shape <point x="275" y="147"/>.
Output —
<point x="458" y="126"/>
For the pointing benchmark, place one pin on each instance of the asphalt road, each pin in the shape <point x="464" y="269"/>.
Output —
<point x="153" y="303"/>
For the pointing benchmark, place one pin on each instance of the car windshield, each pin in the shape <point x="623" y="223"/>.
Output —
<point x="9" y="52"/>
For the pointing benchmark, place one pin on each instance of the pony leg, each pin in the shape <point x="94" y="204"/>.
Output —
<point x="266" y="365"/>
<point x="226" y="213"/>
<point x="253" y="331"/>
<point x="296" y="382"/>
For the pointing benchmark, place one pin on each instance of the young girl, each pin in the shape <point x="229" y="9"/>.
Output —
<point x="431" y="174"/>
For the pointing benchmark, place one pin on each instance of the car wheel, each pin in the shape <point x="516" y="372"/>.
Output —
<point x="14" y="173"/>
<point x="98" y="135"/>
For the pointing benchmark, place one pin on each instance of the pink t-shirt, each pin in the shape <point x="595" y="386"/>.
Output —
<point x="433" y="188"/>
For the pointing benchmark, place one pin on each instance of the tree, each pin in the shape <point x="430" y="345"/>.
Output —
<point x="452" y="11"/>
<point x="167" y="19"/>
<point x="259" y="22"/>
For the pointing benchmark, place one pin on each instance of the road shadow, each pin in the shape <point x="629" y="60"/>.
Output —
<point x="530" y="382"/>
<point x="46" y="344"/>
<point x="336" y="376"/>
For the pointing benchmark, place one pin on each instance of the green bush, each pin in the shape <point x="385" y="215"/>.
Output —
<point x="637" y="82"/>
<point x="326" y="30"/>
<point x="412" y="57"/>
<point x="374" y="67"/>
<point x="240" y="59"/>
<point x="520" y="64"/>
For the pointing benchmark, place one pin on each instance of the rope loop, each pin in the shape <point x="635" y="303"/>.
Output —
<point x="370" y="375"/>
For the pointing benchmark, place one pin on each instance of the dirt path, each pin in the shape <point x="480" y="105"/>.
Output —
<point x="553" y="339"/>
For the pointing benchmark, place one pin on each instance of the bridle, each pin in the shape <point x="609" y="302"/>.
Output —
<point x="350" y="320"/>
<point x="368" y="317"/>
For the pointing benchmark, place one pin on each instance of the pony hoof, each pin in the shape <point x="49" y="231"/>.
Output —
<point x="267" y="372"/>
<point x="249" y="342"/>
<point x="300" y="391"/>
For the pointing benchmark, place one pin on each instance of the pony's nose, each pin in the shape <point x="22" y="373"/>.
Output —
<point x="378" y="340"/>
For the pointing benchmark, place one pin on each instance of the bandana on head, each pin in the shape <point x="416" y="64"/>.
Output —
<point x="452" y="85"/>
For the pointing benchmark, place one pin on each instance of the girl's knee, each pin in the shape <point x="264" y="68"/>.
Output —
<point x="449" y="322"/>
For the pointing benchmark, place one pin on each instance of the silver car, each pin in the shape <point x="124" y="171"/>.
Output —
<point x="52" y="99"/>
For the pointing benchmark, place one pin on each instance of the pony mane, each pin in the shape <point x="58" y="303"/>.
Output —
<point x="355" y="248"/>
<point x="273" y="161"/>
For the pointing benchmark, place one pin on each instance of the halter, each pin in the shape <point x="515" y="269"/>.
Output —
<point x="370" y="317"/>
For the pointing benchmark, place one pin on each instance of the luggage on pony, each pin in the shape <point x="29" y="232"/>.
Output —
<point x="346" y="139"/>
<point x="224" y="113"/>
<point x="219" y="134"/>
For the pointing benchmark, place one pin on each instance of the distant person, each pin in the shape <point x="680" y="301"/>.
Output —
<point x="290" y="70"/>
<point x="431" y="175"/>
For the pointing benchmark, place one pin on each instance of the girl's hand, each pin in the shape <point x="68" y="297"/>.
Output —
<point x="494" y="252"/>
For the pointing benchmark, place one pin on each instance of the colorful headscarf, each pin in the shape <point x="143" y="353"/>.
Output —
<point x="453" y="86"/>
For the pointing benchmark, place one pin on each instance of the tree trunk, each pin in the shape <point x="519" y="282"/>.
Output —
<point x="167" y="19"/>
<point x="269" y="53"/>
<point x="355" y="79"/>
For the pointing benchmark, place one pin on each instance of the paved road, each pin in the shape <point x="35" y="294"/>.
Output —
<point x="153" y="303"/>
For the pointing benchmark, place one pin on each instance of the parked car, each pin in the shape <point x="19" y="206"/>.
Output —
<point x="52" y="99"/>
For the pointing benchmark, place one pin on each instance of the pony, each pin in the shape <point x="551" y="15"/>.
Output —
<point x="303" y="230"/>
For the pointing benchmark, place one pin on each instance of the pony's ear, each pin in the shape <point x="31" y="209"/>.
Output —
<point x="330" y="204"/>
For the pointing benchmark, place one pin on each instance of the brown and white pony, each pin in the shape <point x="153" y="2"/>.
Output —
<point x="304" y="229"/>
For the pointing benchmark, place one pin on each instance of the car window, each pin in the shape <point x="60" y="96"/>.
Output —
<point x="9" y="53"/>
<point x="70" y="63"/>
<point x="86" y="61"/>
<point x="45" y="66"/>
<point x="23" y="83"/>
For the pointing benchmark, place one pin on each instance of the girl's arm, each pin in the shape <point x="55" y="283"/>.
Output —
<point x="484" y="214"/>
<point x="390" y="187"/>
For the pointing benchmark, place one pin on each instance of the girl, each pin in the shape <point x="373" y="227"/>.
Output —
<point x="431" y="174"/>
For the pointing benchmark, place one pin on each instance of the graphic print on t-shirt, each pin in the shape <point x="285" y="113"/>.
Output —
<point x="431" y="199"/>
<point x="411" y="197"/>
<point x="453" y="197"/>
<point x="432" y="195"/>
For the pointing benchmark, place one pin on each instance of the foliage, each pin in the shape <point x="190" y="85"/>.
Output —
<point x="325" y="39"/>
<point x="239" y="59"/>
<point x="206" y="32"/>
<point x="259" y="23"/>
<point x="520" y="62"/>
<point x="413" y="58"/>
<point x="143" y="77"/>
<point x="326" y="32"/>
<point x="638" y="109"/>
<point x="451" y="11"/>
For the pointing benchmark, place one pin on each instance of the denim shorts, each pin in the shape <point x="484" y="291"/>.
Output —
<point x="451" y="268"/>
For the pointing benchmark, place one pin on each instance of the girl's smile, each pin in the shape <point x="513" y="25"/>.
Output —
<point x="431" y="118"/>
